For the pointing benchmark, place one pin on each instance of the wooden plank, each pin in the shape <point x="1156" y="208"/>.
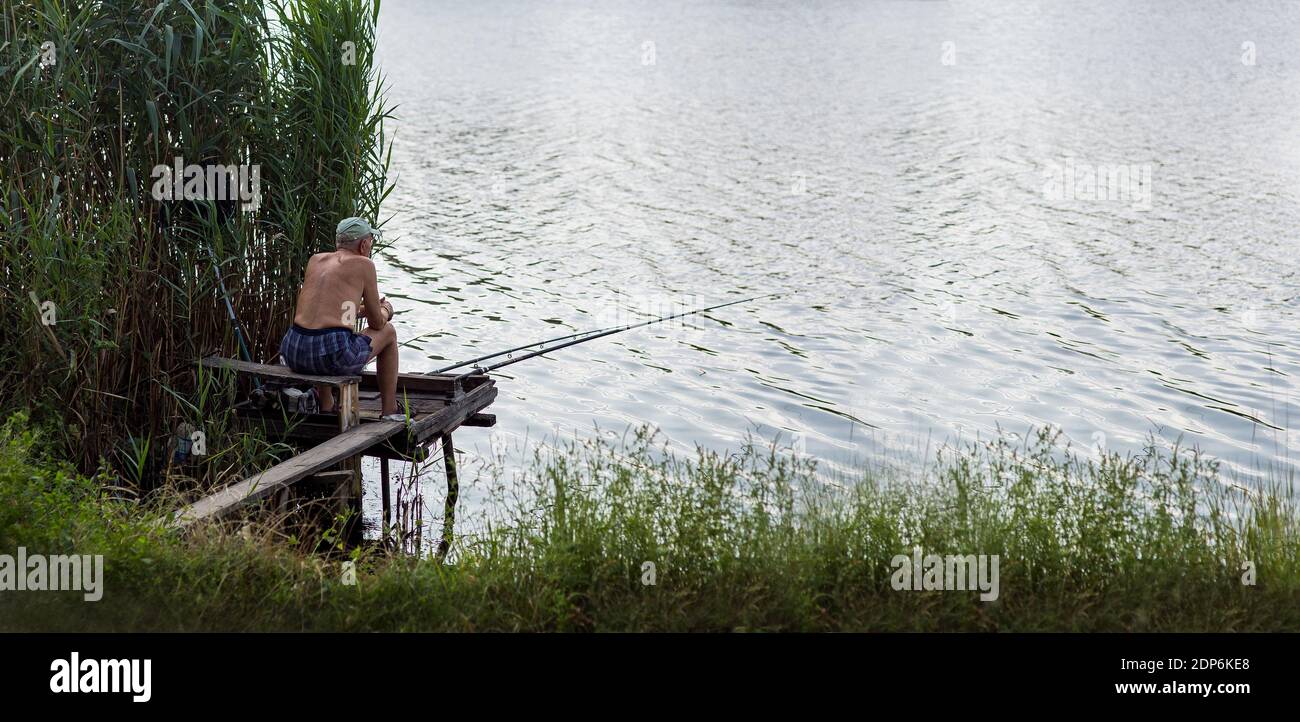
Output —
<point x="417" y="405"/>
<point x="346" y="405"/>
<point x="455" y="414"/>
<point x="259" y="486"/>
<point x="450" y="417"/>
<point x="440" y="384"/>
<point x="352" y="442"/>
<point x="274" y="373"/>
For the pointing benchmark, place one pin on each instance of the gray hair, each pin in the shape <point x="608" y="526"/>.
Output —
<point x="352" y="244"/>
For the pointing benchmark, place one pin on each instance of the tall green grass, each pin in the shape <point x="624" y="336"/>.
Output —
<point x="133" y="279"/>
<point x="750" y="541"/>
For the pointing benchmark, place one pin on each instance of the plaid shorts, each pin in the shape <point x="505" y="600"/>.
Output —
<point x="325" y="351"/>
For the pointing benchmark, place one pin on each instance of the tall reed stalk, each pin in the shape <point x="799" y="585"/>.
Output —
<point x="96" y="95"/>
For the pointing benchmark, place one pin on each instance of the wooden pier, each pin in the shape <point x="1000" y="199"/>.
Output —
<point x="334" y="443"/>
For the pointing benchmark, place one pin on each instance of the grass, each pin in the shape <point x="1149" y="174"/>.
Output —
<point x="750" y="541"/>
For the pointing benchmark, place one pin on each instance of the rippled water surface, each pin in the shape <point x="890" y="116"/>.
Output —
<point x="572" y="165"/>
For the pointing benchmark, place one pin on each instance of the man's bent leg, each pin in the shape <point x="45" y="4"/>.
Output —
<point x="383" y="343"/>
<point x="325" y="397"/>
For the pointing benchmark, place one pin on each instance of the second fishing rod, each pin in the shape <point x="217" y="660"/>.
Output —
<point x="577" y="338"/>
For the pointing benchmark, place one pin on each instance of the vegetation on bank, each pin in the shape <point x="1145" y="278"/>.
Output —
<point x="109" y="294"/>
<point x="751" y="541"/>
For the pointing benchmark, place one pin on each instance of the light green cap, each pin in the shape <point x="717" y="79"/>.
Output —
<point x="354" y="228"/>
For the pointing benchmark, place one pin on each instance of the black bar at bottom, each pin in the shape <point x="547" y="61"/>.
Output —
<point x="222" y="673"/>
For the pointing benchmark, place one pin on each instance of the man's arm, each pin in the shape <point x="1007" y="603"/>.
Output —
<point x="376" y="315"/>
<point x="385" y="303"/>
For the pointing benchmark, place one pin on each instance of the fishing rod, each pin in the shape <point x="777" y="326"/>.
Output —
<point x="591" y="336"/>
<point x="230" y="312"/>
<point x="230" y="309"/>
<point x="485" y="357"/>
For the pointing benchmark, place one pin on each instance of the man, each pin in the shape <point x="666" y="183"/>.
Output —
<point x="340" y="286"/>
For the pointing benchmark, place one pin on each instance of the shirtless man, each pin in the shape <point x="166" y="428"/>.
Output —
<point x="339" y="286"/>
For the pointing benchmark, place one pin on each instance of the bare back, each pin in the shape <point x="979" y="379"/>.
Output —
<point x="332" y="282"/>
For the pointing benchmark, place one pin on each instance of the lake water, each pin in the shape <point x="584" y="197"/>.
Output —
<point x="912" y="176"/>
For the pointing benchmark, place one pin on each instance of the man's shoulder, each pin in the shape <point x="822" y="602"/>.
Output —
<point x="359" y="264"/>
<point x="349" y="260"/>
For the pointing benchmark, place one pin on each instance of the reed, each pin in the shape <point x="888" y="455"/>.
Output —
<point x="133" y="280"/>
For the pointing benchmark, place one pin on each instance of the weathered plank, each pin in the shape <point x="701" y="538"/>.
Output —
<point x="318" y="458"/>
<point x="348" y="411"/>
<point x="274" y="373"/>
<point x="455" y="414"/>
<point x="440" y="384"/>
<point x="431" y="426"/>
<point x="350" y="443"/>
<point x="415" y="404"/>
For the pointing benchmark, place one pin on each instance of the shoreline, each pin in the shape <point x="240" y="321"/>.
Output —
<point x="620" y="538"/>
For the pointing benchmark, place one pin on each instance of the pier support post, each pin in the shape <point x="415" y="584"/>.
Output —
<point x="384" y="491"/>
<point x="353" y="530"/>
<point x="347" y="405"/>
<point x="453" y="492"/>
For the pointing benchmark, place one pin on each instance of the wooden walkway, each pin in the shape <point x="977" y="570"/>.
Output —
<point x="437" y="405"/>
